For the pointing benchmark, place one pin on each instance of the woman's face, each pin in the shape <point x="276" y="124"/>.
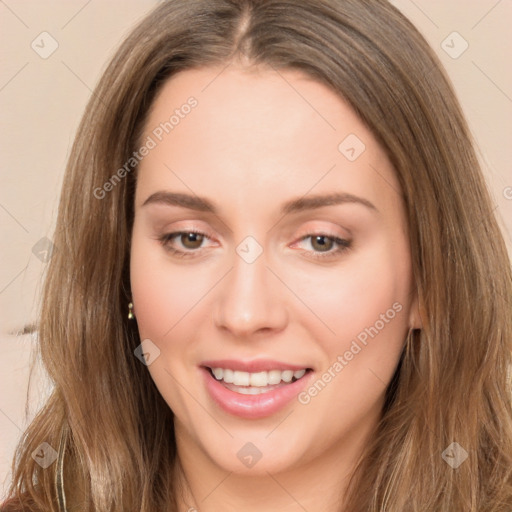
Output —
<point x="269" y="244"/>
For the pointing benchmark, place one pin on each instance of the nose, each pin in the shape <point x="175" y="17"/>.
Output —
<point x="250" y="300"/>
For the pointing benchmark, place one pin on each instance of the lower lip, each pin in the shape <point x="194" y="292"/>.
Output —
<point x="253" y="406"/>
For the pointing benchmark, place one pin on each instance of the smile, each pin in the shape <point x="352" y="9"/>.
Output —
<point x="253" y="381"/>
<point x="254" y="394"/>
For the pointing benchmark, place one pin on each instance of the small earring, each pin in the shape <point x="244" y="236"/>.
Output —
<point x="130" y="311"/>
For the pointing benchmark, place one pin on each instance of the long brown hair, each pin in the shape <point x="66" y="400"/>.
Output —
<point x="115" y="431"/>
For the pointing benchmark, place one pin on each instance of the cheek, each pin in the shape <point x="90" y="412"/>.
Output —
<point x="164" y="298"/>
<point x="367" y="306"/>
<point x="163" y="293"/>
<point x="352" y="297"/>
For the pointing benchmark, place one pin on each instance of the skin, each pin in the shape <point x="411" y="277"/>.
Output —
<point x="257" y="139"/>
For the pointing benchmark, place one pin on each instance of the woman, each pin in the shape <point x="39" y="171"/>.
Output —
<point x="279" y="284"/>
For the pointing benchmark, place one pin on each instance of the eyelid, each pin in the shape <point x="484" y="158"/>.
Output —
<point x="188" y="228"/>
<point x="316" y="228"/>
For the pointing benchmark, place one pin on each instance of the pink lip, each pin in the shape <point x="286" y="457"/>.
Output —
<point x="252" y="406"/>
<point x="256" y="365"/>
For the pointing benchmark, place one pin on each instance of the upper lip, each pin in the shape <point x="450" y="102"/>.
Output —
<point x="256" y="365"/>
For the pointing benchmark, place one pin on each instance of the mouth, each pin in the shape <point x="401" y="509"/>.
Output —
<point x="256" y="383"/>
<point x="254" y="394"/>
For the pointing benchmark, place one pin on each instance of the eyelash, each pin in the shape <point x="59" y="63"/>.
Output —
<point x="343" y="245"/>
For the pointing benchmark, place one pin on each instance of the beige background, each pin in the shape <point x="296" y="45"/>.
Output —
<point x="41" y="101"/>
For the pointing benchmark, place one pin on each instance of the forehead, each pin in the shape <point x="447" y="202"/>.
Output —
<point x="256" y="131"/>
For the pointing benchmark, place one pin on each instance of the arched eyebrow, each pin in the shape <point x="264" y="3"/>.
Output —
<point x="311" y="202"/>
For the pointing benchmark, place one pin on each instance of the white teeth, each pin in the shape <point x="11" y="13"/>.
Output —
<point x="287" y="375"/>
<point x="274" y="377"/>
<point x="256" y="380"/>
<point x="250" y="391"/>
<point x="227" y="375"/>
<point x="298" y="374"/>
<point x="218" y="372"/>
<point x="241" y="378"/>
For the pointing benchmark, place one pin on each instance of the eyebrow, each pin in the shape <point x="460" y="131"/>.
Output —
<point x="201" y="204"/>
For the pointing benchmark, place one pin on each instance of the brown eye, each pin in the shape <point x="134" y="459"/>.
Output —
<point x="191" y="240"/>
<point x="183" y="244"/>
<point x="324" y="246"/>
<point x="322" y="243"/>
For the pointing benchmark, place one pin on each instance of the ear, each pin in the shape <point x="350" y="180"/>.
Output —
<point x="415" y="321"/>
